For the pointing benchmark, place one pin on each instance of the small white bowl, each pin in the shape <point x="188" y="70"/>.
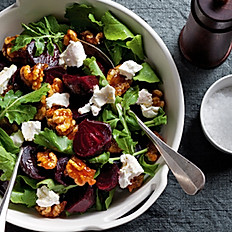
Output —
<point x="220" y="85"/>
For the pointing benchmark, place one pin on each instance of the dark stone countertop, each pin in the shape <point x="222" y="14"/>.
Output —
<point x="210" y="210"/>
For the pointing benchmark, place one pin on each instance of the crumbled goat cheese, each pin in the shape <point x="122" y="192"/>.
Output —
<point x="5" y="76"/>
<point x="100" y="98"/>
<point x="17" y="138"/>
<point x="59" y="99"/>
<point x="130" y="169"/>
<point x="149" y="112"/>
<point x="144" y="98"/>
<point x="74" y="55"/>
<point x="46" y="197"/>
<point x="129" y="68"/>
<point x="30" y="129"/>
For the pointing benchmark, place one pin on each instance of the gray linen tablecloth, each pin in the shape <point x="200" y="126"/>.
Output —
<point x="210" y="210"/>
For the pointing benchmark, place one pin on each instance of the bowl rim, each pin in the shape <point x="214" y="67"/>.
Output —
<point x="211" y="90"/>
<point x="178" y="131"/>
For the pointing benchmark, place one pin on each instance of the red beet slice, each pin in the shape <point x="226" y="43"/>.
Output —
<point x="108" y="178"/>
<point x="59" y="171"/>
<point x="28" y="163"/>
<point x="92" y="138"/>
<point x="79" y="203"/>
<point x="44" y="58"/>
<point x="54" y="72"/>
<point x="80" y="84"/>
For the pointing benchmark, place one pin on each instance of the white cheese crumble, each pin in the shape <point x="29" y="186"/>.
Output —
<point x="144" y="98"/>
<point x="30" y="129"/>
<point x="129" y="69"/>
<point x="59" y="99"/>
<point x="5" y="76"/>
<point x="100" y="98"/>
<point x="149" y="112"/>
<point x="17" y="138"/>
<point x="46" y="197"/>
<point x="130" y="169"/>
<point x="74" y="55"/>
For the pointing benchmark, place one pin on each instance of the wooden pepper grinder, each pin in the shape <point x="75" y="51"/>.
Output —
<point x="206" y="38"/>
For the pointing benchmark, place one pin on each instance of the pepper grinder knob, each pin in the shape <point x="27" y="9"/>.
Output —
<point x="206" y="38"/>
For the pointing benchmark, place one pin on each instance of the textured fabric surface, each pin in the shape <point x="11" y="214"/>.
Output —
<point x="210" y="210"/>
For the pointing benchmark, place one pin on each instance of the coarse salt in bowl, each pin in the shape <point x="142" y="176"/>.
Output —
<point x="216" y="114"/>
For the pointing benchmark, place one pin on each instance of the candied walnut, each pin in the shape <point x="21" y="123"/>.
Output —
<point x="153" y="154"/>
<point x="118" y="81"/>
<point x="136" y="182"/>
<point x="56" y="87"/>
<point x="71" y="35"/>
<point x="6" y="50"/>
<point x="78" y="170"/>
<point x="61" y="120"/>
<point x="157" y="96"/>
<point x="90" y="38"/>
<point x="114" y="148"/>
<point x="33" y="77"/>
<point x="72" y="134"/>
<point x="41" y="111"/>
<point x="52" y="211"/>
<point x="47" y="159"/>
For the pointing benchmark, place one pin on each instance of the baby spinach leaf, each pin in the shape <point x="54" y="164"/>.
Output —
<point x="48" y="138"/>
<point x="91" y="68"/>
<point x="93" y="20"/>
<point x="7" y="143"/>
<point x="146" y="74"/>
<point x="149" y="169"/>
<point x="115" y="51"/>
<point x="7" y="163"/>
<point x="113" y="29"/>
<point x="136" y="45"/>
<point x="12" y="105"/>
<point x="78" y="16"/>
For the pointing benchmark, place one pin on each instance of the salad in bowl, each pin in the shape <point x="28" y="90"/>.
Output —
<point x="68" y="92"/>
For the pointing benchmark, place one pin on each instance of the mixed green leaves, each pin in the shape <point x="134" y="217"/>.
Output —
<point x="46" y="33"/>
<point x="104" y="199"/>
<point x="14" y="105"/>
<point x="48" y="138"/>
<point x="149" y="169"/>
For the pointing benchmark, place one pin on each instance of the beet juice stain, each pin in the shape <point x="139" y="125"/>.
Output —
<point x="206" y="38"/>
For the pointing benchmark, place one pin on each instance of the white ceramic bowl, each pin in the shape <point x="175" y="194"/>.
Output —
<point x="219" y="85"/>
<point x="159" y="57"/>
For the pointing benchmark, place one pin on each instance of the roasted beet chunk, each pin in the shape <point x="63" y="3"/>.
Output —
<point x="44" y="58"/>
<point x="52" y="73"/>
<point x="79" y="201"/>
<point x="80" y="84"/>
<point x="28" y="163"/>
<point x="59" y="171"/>
<point x="3" y="62"/>
<point x="92" y="138"/>
<point x="108" y="178"/>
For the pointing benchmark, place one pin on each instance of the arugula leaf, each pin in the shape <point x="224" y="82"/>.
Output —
<point x="91" y="68"/>
<point x="78" y="16"/>
<point x="28" y="181"/>
<point x="109" y="117"/>
<point x="46" y="31"/>
<point x="136" y="45"/>
<point x="132" y="121"/>
<point x="26" y="196"/>
<point x="58" y="188"/>
<point x="113" y="29"/>
<point x="160" y="119"/>
<point x="130" y="97"/>
<point x="7" y="143"/>
<point x="48" y="138"/>
<point x="104" y="199"/>
<point x="101" y="159"/>
<point x="146" y="74"/>
<point x="7" y="163"/>
<point x="149" y="169"/>
<point x="115" y="51"/>
<point x="93" y="20"/>
<point x="12" y="105"/>
<point x="125" y="142"/>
